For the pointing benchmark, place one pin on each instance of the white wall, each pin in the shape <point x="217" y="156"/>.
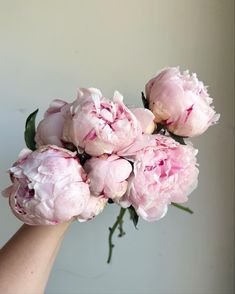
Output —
<point x="49" y="49"/>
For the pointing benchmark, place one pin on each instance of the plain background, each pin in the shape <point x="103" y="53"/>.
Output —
<point x="49" y="49"/>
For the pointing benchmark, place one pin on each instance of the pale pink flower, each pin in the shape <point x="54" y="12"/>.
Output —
<point x="49" y="130"/>
<point x="49" y="186"/>
<point x="99" y="125"/>
<point x="108" y="176"/>
<point x="146" y="119"/>
<point x="164" y="172"/>
<point x="94" y="207"/>
<point x="180" y="102"/>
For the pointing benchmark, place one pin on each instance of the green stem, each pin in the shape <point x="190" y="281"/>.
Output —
<point x="120" y="228"/>
<point x="112" y="230"/>
<point x="187" y="209"/>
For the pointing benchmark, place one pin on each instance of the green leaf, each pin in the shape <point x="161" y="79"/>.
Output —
<point x="145" y="101"/>
<point x="177" y="138"/>
<point x="187" y="209"/>
<point x="133" y="215"/>
<point x="29" y="132"/>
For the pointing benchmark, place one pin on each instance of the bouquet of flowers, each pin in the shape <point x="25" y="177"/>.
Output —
<point x="94" y="151"/>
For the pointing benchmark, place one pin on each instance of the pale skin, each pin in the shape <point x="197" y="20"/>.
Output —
<point x="27" y="258"/>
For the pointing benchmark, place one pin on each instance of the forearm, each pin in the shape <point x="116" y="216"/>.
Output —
<point x="26" y="260"/>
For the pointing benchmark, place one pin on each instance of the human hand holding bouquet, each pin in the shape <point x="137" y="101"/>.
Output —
<point x="96" y="151"/>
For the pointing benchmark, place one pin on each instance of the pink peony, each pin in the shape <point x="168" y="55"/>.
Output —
<point x="94" y="207"/>
<point x="108" y="175"/>
<point x="49" y="187"/>
<point x="98" y="125"/>
<point x="180" y="102"/>
<point x="164" y="172"/>
<point x="146" y="119"/>
<point x="49" y="130"/>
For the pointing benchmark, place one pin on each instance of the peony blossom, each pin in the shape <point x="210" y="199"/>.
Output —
<point x="49" y="187"/>
<point x="99" y="125"/>
<point x="164" y="172"/>
<point x="49" y="130"/>
<point x="108" y="176"/>
<point x="180" y="102"/>
<point x="94" y="207"/>
<point x="146" y="119"/>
